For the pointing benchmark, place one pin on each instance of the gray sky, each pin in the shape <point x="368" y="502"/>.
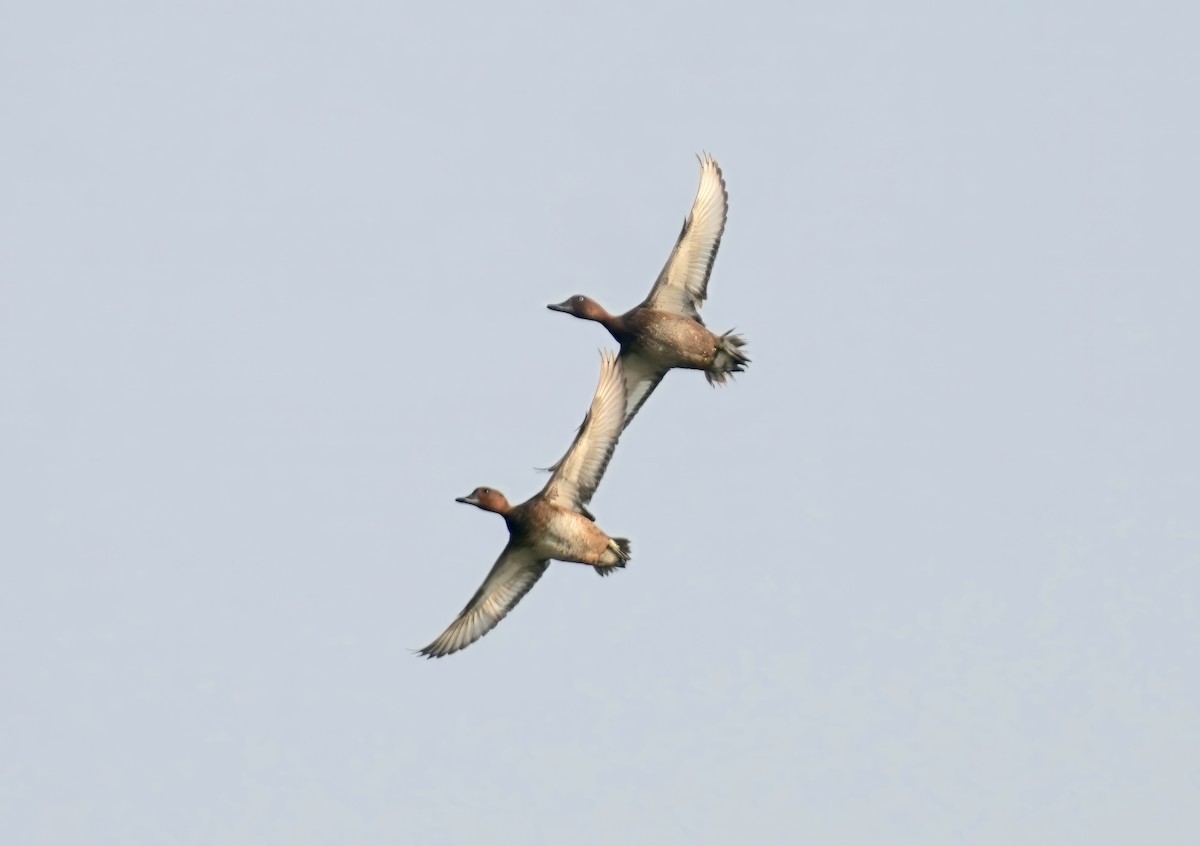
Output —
<point x="272" y="290"/>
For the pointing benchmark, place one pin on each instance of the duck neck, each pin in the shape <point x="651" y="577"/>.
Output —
<point x="513" y="519"/>
<point x="612" y="322"/>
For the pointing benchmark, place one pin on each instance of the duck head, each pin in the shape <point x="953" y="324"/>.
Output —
<point x="489" y="499"/>
<point x="582" y="307"/>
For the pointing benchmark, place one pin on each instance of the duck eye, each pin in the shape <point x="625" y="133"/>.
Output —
<point x="579" y="299"/>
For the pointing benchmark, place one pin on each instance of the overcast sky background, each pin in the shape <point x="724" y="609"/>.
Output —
<point x="272" y="289"/>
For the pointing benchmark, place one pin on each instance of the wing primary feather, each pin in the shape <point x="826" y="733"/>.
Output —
<point x="641" y="378"/>
<point x="682" y="285"/>
<point x="577" y="474"/>
<point x="515" y="572"/>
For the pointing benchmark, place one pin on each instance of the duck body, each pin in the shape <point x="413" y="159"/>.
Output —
<point x="665" y="331"/>
<point x="552" y="525"/>
<point x="669" y="341"/>
<point x="549" y="531"/>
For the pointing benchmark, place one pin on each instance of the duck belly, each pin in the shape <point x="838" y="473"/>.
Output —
<point x="573" y="537"/>
<point x="674" y="341"/>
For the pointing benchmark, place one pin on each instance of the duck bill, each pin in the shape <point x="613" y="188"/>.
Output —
<point x="467" y="500"/>
<point x="565" y="305"/>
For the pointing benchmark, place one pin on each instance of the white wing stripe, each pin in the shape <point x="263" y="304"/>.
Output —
<point x="511" y="577"/>
<point x="682" y="286"/>
<point x="641" y="378"/>
<point x="577" y="475"/>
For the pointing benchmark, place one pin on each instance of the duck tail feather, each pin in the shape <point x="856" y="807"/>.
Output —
<point x="729" y="359"/>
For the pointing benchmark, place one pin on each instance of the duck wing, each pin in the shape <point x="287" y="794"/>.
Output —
<point x="641" y="378"/>
<point x="682" y="286"/>
<point x="511" y="577"/>
<point x="575" y="477"/>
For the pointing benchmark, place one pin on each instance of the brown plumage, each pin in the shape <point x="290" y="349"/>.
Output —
<point x="552" y="525"/>
<point x="665" y="331"/>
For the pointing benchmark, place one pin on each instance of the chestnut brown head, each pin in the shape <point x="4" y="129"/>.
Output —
<point x="489" y="499"/>
<point x="580" y="306"/>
